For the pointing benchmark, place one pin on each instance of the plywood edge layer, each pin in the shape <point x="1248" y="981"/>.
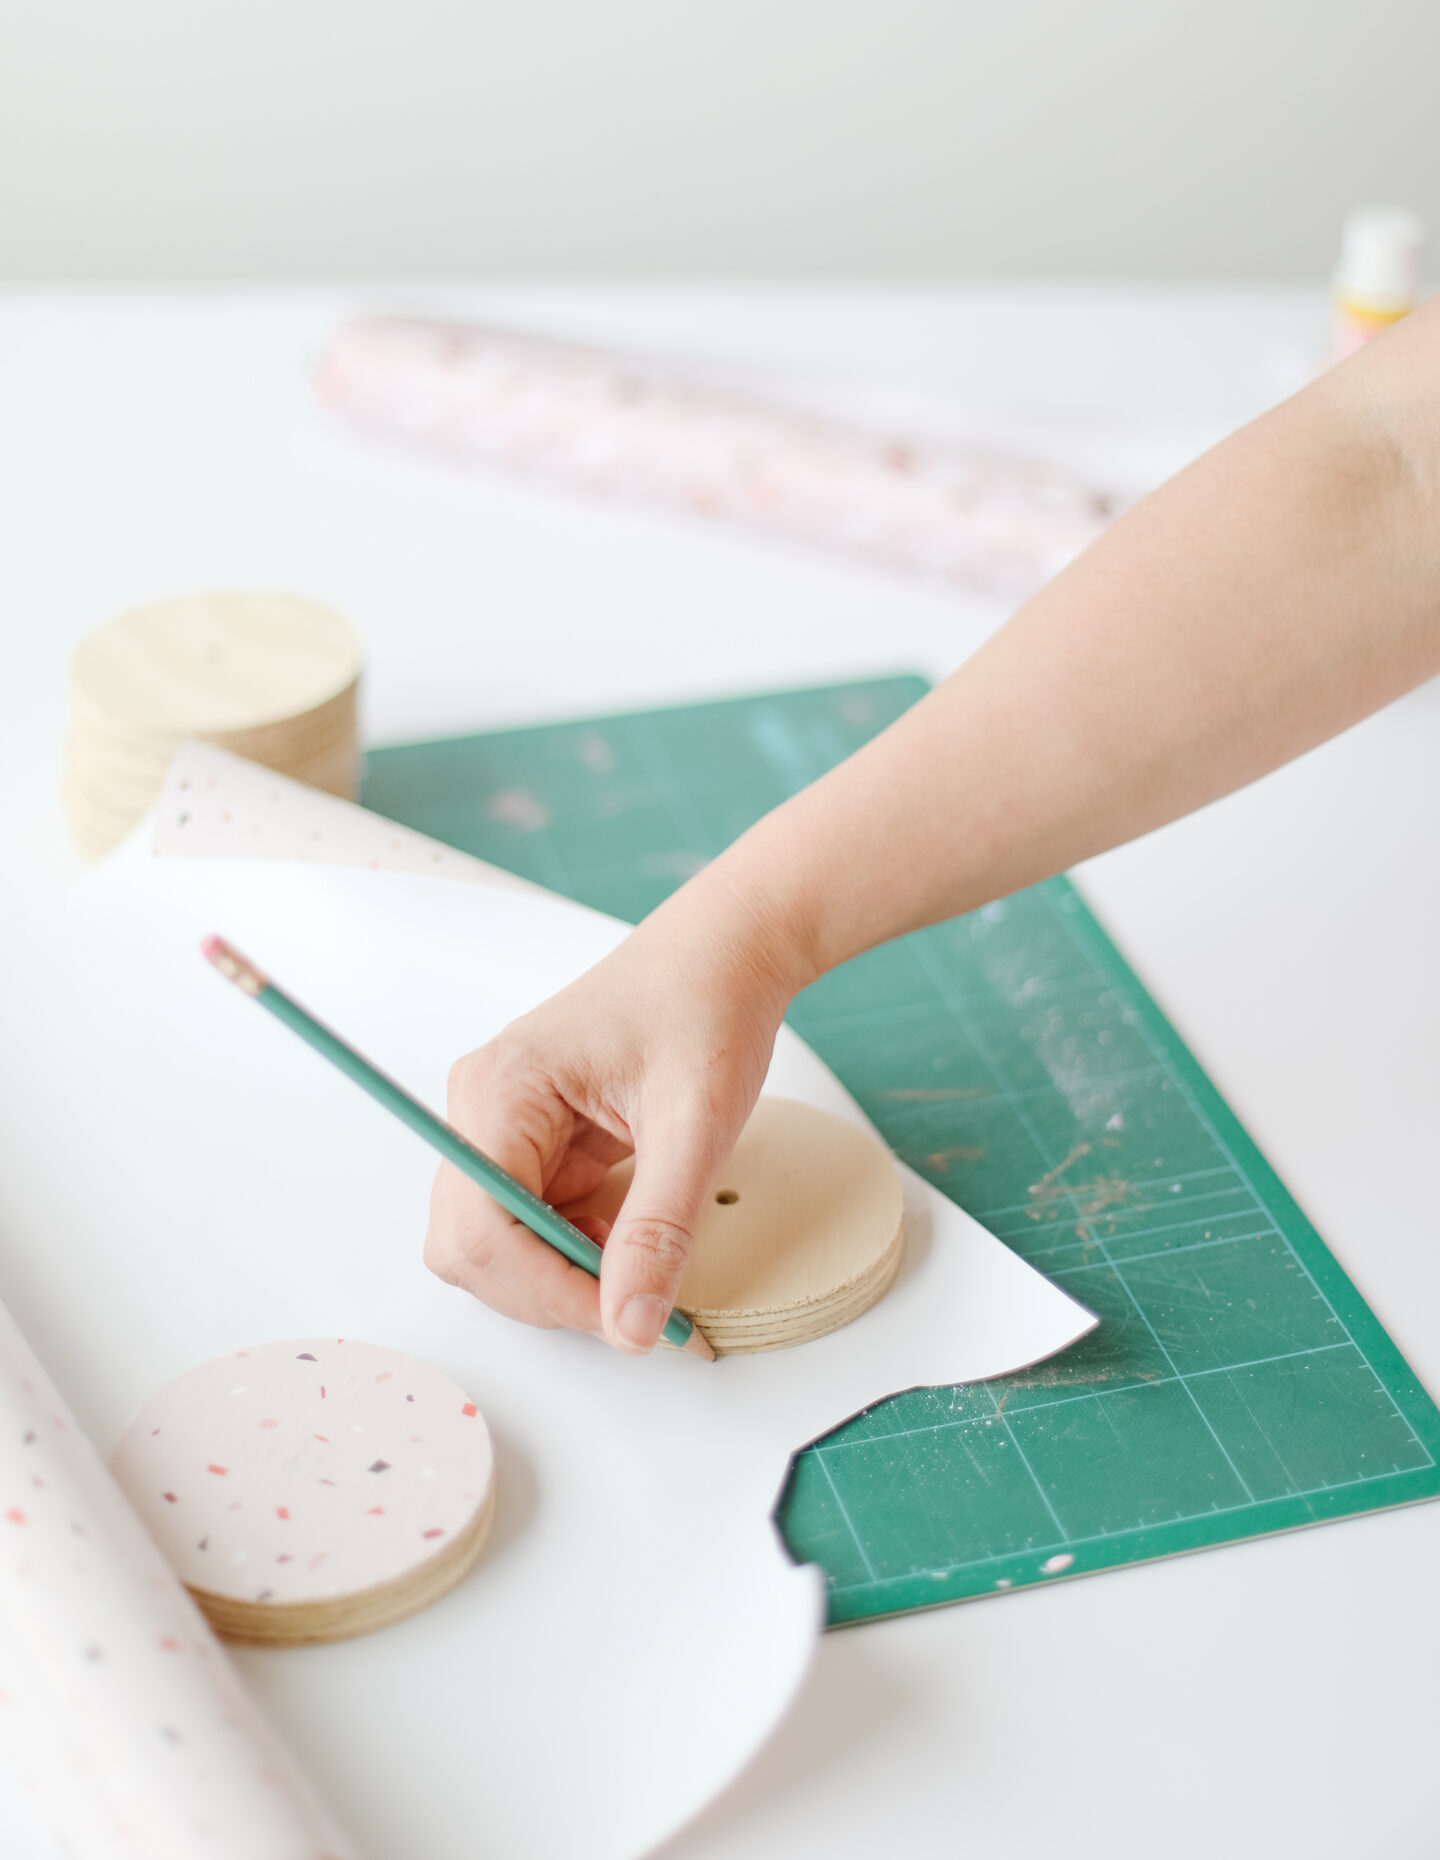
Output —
<point x="884" y="1266"/>
<point x="308" y="1624"/>
<point x="751" y="1333"/>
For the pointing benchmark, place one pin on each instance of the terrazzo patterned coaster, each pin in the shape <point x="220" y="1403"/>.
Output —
<point x="311" y="1490"/>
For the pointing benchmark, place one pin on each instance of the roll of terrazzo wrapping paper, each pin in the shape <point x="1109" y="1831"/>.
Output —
<point x="609" y="424"/>
<point x="121" y="1713"/>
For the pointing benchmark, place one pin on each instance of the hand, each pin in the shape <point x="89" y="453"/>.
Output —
<point x="661" y="1049"/>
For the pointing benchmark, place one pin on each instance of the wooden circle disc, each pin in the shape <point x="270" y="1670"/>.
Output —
<point x="207" y="664"/>
<point x="801" y="1234"/>
<point x="311" y="1490"/>
<point x="266" y="676"/>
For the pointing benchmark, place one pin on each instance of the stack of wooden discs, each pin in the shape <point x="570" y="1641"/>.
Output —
<point x="802" y="1233"/>
<point x="312" y="1490"/>
<point x="266" y="676"/>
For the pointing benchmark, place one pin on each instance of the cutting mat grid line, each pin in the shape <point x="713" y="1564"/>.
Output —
<point x="1062" y="1544"/>
<point x="1018" y="1404"/>
<point x="1172" y="1179"/>
<point x="1237" y="1383"/>
<point x="1138" y="1020"/>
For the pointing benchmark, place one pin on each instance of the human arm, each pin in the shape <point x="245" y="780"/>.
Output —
<point x="1271" y="595"/>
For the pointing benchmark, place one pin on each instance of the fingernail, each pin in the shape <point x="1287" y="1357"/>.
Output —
<point x="641" y="1320"/>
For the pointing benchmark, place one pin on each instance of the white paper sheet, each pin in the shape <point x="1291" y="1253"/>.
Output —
<point x="188" y="1178"/>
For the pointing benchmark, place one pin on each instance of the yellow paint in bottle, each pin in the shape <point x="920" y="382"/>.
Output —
<point x="1378" y="278"/>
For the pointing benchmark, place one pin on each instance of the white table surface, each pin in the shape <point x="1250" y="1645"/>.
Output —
<point x="1262" y="1700"/>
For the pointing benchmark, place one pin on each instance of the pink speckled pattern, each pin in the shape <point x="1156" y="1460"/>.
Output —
<point x="619" y="426"/>
<point x="119" y="1710"/>
<point x="305" y="1471"/>
<point x="215" y="805"/>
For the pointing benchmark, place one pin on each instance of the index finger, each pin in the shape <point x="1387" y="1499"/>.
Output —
<point x="525" y="1126"/>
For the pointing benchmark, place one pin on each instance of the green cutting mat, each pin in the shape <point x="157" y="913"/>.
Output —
<point x="1237" y="1383"/>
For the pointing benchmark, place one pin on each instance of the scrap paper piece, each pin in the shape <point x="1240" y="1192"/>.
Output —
<point x="129" y="1727"/>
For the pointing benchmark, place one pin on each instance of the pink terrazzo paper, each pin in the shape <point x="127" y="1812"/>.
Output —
<point x="119" y="1710"/>
<point x="622" y="427"/>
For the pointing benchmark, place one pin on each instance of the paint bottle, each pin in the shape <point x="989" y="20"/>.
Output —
<point x="1378" y="278"/>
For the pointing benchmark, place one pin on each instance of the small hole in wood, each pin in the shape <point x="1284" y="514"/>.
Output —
<point x="727" y="1197"/>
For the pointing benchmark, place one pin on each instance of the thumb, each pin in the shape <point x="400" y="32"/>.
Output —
<point x="650" y="1242"/>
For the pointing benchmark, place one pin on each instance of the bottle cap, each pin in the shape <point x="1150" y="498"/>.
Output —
<point x="1379" y="265"/>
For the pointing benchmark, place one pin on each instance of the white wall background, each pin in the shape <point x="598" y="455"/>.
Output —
<point x="201" y="139"/>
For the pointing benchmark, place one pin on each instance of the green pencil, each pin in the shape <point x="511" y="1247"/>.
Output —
<point x="542" y="1220"/>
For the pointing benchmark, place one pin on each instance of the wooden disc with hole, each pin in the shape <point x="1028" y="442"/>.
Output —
<point x="802" y="1233"/>
<point x="312" y="1490"/>
<point x="266" y="676"/>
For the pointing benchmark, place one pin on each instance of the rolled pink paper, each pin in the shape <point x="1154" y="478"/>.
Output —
<point x="118" y="1708"/>
<point x="621" y="427"/>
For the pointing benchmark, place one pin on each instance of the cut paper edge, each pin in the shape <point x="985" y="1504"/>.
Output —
<point x="307" y="1199"/>
<point x="240" y="811"/>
